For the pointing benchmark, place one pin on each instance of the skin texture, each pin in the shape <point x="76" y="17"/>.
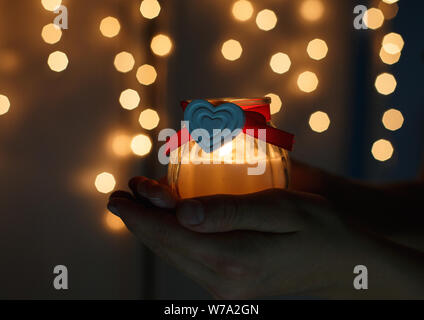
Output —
<point x="302" y="242"/>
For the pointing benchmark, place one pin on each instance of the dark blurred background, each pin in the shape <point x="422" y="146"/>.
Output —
<point x="70" y="128"/>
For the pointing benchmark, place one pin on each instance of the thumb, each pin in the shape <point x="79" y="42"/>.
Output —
<point x="273" y="210"/>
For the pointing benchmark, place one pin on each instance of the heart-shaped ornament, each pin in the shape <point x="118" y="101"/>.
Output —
<point x="228" y="118"/>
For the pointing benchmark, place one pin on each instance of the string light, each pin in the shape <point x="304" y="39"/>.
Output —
<point x="121" y="145"/>
<point x="388" y="58"/>
<point x="242" y="10"/>
<point x="161" y="45"/>
<point x="150" y="9"/>
<point x="105" y="182"/>
<point x="276" y="103"/>
<point x="141" y="145"/>
<point x="385" y="83"/>
<point x="382" y="150"/>
<point x="51" y="5"/>
<point x="266" y="20"/>
<point x="51" y="33"/>
<point x="129" y="99"/>
<point x="231" y="50"/>
<point x="373" y="18"/>
<point x="319" y="121"/>
<point x="110" y="27"/>
<point x="393" y="119"/>
<point x="312" y="10"/>
<point x="390" y="1"/>
<point x="113" y="222"/>
<point x="393" y="43"/>
<point x="58" y="61"/>
<point x="307" y="81"/>
<point x="149" y="119"/>
<point x="146" y="74"/>
<point x="280" y="63"/>
<point x="4" y="104"/>
<point x="124" y="62"/>
<point x="317" y="49"/>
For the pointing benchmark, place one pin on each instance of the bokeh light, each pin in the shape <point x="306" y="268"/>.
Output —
<point x="121" y="144"/>
<point x="393" y="119"/>
<point x="389" y="10"/>
<point x="242" y="10"/>
<point x="373" y="18"/>
<point x="390" y="1"/>
<point x="388" y="58"/>
<point x="51" y="5"/>
<point x="124" y="62"/>
<point x="231" y="50"/>
<point x="393" y="43"/>
<point x="58" y="61"/>
<point x="161" y="45"/>
<point x="141" y="145"/>
<point x="129" y="99"/>
<point x="4" y="104"/>
<point x="150" y="9"/>
<point x="110" y="27"/>
<point x="382" y="150"/>
<point x="317" y="49"/>
<point x="385" y="83"/>
<point x="307" y="81"/>
<point x="113" y="222"/>
<point x="312" y="10"/>
<point x="10" y="60"/>
<point x="276" y="103"/>
<point x="280" y="63"/>
<point x="105" y="182"/>
<point x="51" y="33"/>
<point x="319" y="121"/>
<point x="146" y="74"/>
<point x="266" y="20"/>
<point x="149" y="119"/>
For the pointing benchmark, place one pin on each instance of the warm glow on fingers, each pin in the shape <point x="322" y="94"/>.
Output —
<point x="58" y="61"/>
<point x="276" y="103"/>
<point x="4" y="104"/>
<point x="373" y="18"/>
<point x="319" y="121"/>
<point x="149" y="119"/>
<point x="231" y="50"/>
<point x="110" y="27"/>
<point x="266" y="20"/>
<point x="242" y="10"/>
<point x="385" y="83"/>
<point x="280" y="63"/>
<point x="150" y="9"/>
<point x="312" y="10"/>
<point x="393" y="119"/>
<point x="124" y="62"/>
<point x="113" y="222"/>
<point x="161" y="45"/>
<point x="51" y="5"/>
<point x="141" y="145"/>
<point x="382" y="150"/>
<point x="317" y="49"/>
<point x="129" y="99"/>
<point x="146" y="74"/>
<point x="105" y="182"/>
<point x="307" y="81"/>
<point x="51" y="33"/>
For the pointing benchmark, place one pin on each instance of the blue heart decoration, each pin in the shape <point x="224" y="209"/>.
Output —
<point x="201" y="114"/>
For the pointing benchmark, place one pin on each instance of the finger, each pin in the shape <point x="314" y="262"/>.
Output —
<point x="158" y="194"/>
<point x="121" y="194"/>
<point x="274" y="210"/>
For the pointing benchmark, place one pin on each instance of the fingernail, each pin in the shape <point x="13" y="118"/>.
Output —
<point x="112" y="208"/>
<point x="191" y="212"/>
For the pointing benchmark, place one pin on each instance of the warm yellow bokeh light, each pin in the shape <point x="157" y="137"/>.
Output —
<point x="105" y="182"/>
<point x="373" y="18"/>
<point x="280" y="63"/>
<point x="231" y="50"/>
<point x="390" y="1"/>
<point x="124" y="62"/>
<point x="121" y="145"/>
<point x="150" y="9"/>
<point x="393" y="119"/>
<point x="276" y="103"/>
<point x="266" y="20"/>
<point x="319" y="121"/>
<point x="307" y="81"/>
<point x="161" y="45"/>
<point x="110" y="27"/>
<point x="4" y="104"/>
<point x="51" y="5"/>
<point x="382" y="150"/>
<point x="149" y="119"/>
<point x="141" y="145"/>
<point x="389" y="10"/>
<point x="385" y="83"/>
<point x="146" y="74"/>
<point x="242" y="10"/>
<point x="393" y="43"/>
<point x="129" y="99"/>
<point x="388" y="58"/>
<point x="311" y="10"/>
<point x="113" y="222"/>
<point x="58" y="61"/>
<point x="51" y="33"/>
<point x="317" y="49"/>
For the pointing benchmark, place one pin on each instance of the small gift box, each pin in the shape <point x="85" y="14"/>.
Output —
<point x="227" y="146"/>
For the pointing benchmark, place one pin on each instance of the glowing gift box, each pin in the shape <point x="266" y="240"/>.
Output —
<point x="228" y="146"/>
